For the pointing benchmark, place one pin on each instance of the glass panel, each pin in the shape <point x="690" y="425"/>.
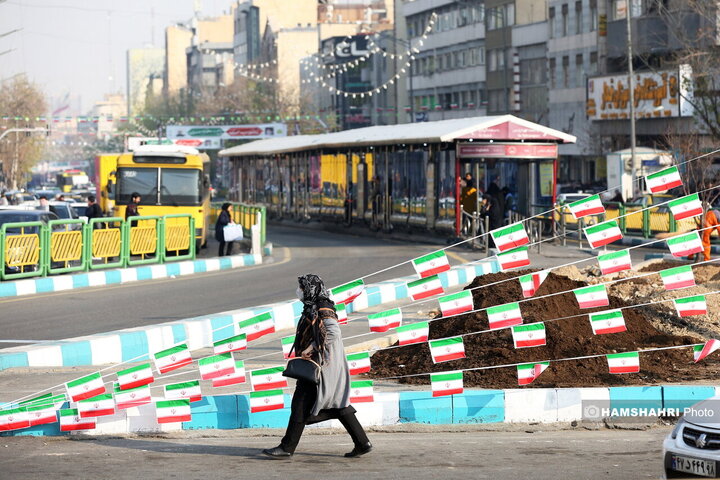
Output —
<point x="180" y="187"/>
<point x="140" y="180"/>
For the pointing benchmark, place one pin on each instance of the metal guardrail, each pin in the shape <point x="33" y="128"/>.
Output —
<point x="33" y="249"/>
<point x="247" y="216"/>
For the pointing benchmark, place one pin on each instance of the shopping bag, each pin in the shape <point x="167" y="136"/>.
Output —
<point x="233" y="232"/>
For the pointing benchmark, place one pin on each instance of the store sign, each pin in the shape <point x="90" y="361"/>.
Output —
<point x="226" y="132"/>
<point x="199" y="143"/>
<point x="343" y="49"/>
<point x="657" y="95"/>
<point x="506" y="150"/>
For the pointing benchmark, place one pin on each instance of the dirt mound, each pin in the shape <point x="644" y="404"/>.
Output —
<point x="569" y="336"/>
<point x="657" y="266"/>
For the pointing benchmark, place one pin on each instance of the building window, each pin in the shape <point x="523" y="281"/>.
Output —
<point x="481" y="55"/>
<point x="551" y="21"/>
<point x="551" y="72"/>
<point x="564" y="25"/>
<point x="566" y="72"/>
<point x="579" y="71"/>
<point x="578" y="18"/>
<point x="593" y="63"/>
<point x="440" y="63"/>
<point x="593" y="16"/>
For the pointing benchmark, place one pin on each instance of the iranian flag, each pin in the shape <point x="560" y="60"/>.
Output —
<point x="267" y="379"/>
<point x="183" y="391"/>
<point x="70" y="421"/>
<point x="361" y="391"/>
<point x="266" y="400"/>
<point x="384" y="321"/>
<point x="446" y="383"/>
<point x="232" y="344"/>
<point x="287" y="343"/>
<point x="135" y="376"/>
<point x="85" y="387"/>
<point x="232" y="379"/>
<point x="514" y="258"/>
<point x="684" y="245"/>
<point x="348" y="292"/>
<point x="134" y="397"/>
<point x="257" y="326"/>
<point x="172" y="358"/>
<point x="530" y="335"/>
<point x="590" y="297"/>
<point x="413" y="333"/>
<point x="509" y="237"/>
<point x="686" y="207"/>
<point x="678" y="277"/>
<point x="456" y="303"/>
<point x="663" y="180"/>
<point x="14" y="419"/>
<point x="447" y="349"/>
<point x="97" y="406"/>
<point x="44" y="409"/>
<point x="431" y="264"/>
<point x="615" y="262"/>
<point x="358" y="362"/>
<point x="587" y="206"/>
<point x="528" y="372"/>
<point x="603" y="233"/>
<point x="689" y="306"/>
<point x="341" y="313"/>
<point x="425" y="287"/>
<point x="628" y="362"/>
<point x="531" y="283"/>
<point x="504" y="315"/>
<point x="702" y="351"/>
<point x="611" y="321"/>
<point x="173" y="411"/>
<point x="216" y="366"/>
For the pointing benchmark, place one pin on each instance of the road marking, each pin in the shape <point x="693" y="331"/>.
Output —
<point x="288" y="258"/>
<point x="455" y="256"/>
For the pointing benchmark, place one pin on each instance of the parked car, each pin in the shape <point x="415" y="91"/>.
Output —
<point x="566" y="198"/>
<point x="8" y="215"/>
<point x="693" y="446"/>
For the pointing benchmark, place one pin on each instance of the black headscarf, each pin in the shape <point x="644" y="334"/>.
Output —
<point x="315" y="296"/>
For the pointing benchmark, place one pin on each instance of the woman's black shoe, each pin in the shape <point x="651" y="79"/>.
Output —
<point x="357" y="451"/>
<point x="277" y="453"/>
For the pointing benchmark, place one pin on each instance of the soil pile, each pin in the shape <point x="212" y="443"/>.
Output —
<point x="569" y="334"/>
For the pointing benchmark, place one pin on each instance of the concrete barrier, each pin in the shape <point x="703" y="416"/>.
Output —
<point x="684" y="396"/>
<point x="531" y="405"/>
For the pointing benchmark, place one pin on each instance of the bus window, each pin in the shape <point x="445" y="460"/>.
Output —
<point x="141" y="180"/>
<point x="180" y="187"/>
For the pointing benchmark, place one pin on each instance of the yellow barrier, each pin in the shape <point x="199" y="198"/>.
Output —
<point x="143" y="240"/>
<point x="106" y="242"/>
<point x="22" y="250"/>
<point x="177" y="237"/>
<point x="66" y="246"/>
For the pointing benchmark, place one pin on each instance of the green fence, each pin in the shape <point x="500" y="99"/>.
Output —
<point x="245" y="215"/>
<point x="34" y="249"/>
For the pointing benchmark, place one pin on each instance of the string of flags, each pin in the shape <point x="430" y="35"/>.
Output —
<point x="92" y="401"/>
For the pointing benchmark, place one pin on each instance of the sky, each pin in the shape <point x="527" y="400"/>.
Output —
<point x="79" y="46"/>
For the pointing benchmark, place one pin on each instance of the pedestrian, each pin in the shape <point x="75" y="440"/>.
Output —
<point x="711" y="223"/>
<point x="3" y="199"/>
<point x="93" y="209"/>
<point x="469" y="182"/>
<point x="132" y="209"/>
<point x="318" y="338"/>
<point x="468" y="200"/>
<point x="44" y="204"/>
<point x="61" y="198"/>
<point x="224" y="219"/>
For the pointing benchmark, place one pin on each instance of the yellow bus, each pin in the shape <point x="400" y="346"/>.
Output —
<point x="69" y="180"/>
<point x="170" y="180"/>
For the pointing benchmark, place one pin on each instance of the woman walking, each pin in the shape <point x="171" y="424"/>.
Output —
<point x="224" y="219"/>
<point x="318" y="338"/>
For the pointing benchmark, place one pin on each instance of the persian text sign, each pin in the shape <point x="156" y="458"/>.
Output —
<point x="506" y="150"/>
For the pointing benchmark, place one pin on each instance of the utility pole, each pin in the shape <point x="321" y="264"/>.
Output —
<point x="631" y="85"/>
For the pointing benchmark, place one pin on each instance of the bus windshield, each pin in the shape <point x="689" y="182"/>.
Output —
<point x="175" y="186"/>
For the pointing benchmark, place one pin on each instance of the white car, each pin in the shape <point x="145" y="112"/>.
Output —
<point x="694" y="444"/>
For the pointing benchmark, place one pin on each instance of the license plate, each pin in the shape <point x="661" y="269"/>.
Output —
<point x="705" y="468"/>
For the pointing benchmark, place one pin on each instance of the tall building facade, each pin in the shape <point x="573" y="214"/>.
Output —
<point x="142" y="65"/>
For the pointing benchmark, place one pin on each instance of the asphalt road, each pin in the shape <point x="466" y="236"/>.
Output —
<point x="336" y="258"/>
<point x="419" y="452"/>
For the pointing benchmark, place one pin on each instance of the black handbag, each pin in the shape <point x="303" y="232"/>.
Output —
<point x="302" y="369"/>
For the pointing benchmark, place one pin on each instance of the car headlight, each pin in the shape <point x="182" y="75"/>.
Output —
<point x="677" y="428"/>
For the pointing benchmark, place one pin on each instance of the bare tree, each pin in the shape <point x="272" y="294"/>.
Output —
<point x="24" y="102"/>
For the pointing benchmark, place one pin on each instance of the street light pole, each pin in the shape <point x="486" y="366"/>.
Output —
<point x="631" y="85"/>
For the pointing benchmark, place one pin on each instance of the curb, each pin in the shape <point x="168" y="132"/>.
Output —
<point x="99" y="278"/>
<point x="534" y="405"/>
<point x="200" y="332"/>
